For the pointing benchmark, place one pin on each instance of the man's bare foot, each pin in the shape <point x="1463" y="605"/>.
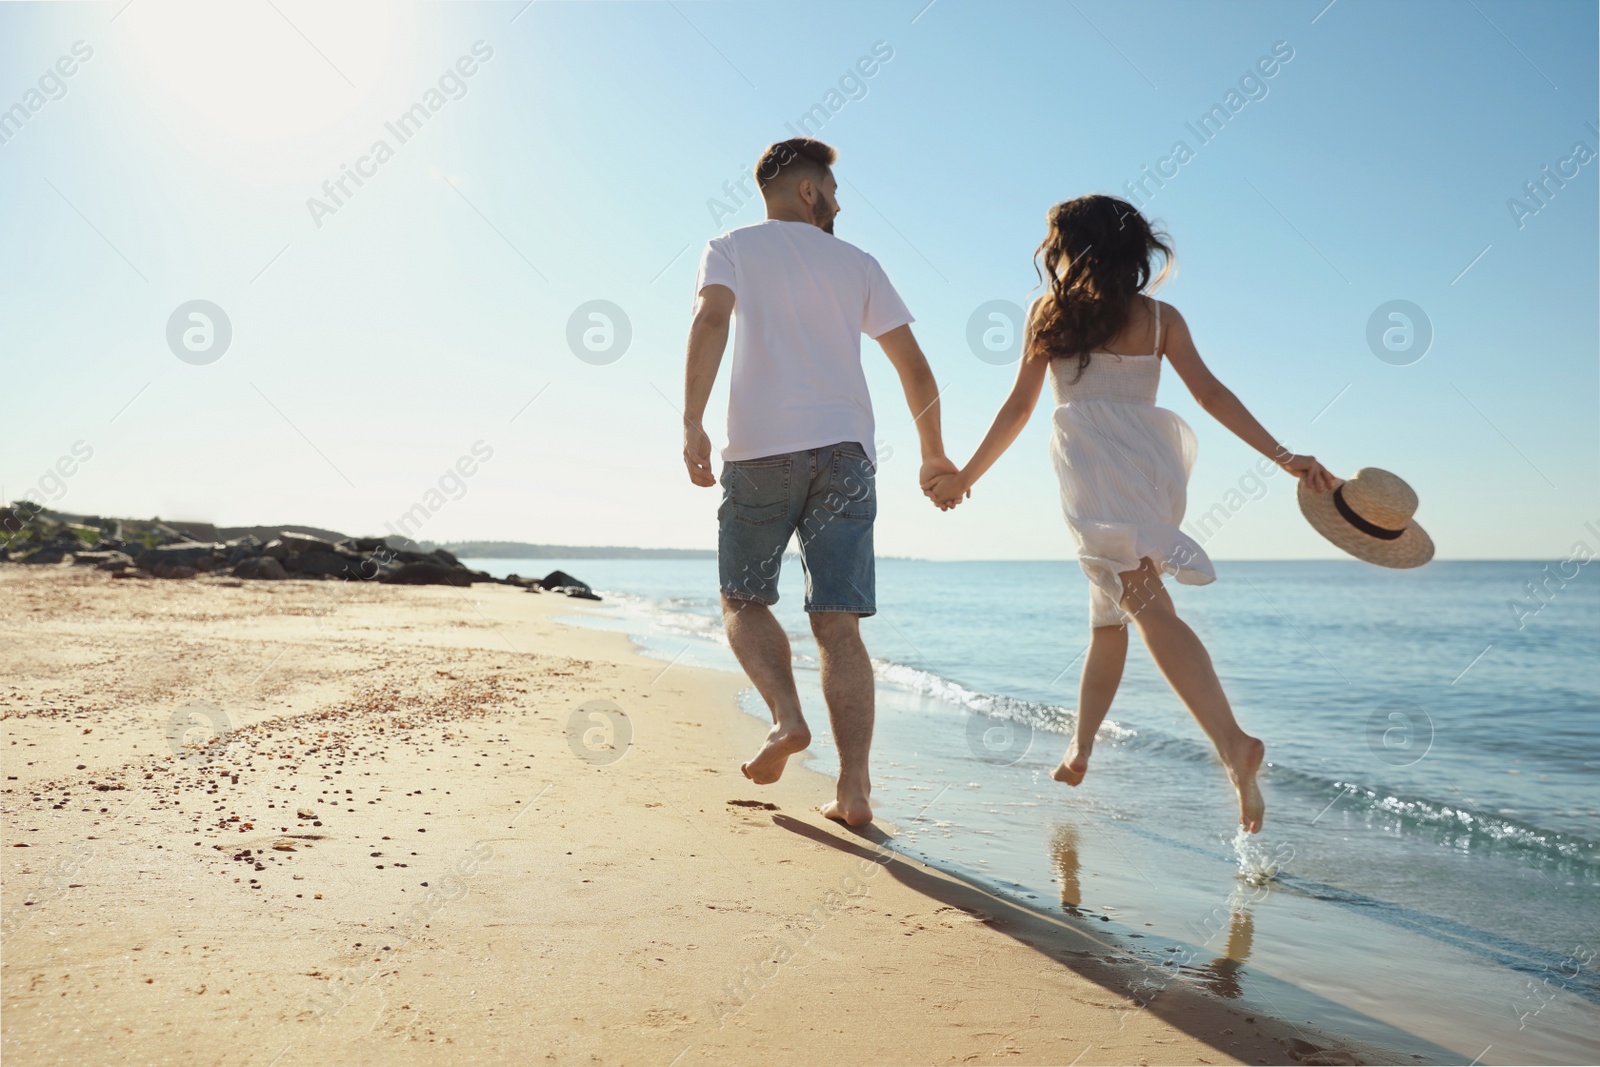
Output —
<point x="1074" y="765"/>
<point x="782" y="742"/>
<point x="1242" y="766"/>
<point x="856" y="811"/>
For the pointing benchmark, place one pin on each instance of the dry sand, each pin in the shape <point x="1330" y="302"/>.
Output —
<point x="464" y="882"/>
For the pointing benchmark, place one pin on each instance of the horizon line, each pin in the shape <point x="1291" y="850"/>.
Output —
<point x="710" y="553"/>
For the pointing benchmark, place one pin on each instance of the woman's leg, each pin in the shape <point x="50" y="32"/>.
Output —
<point x="1187" y="667"/>
<point x="1102" y="673"/>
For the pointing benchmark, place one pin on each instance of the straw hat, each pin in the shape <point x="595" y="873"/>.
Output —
<point x="1369" y="516"/>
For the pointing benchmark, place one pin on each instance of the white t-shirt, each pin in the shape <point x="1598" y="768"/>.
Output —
<point x="803" y="298"/>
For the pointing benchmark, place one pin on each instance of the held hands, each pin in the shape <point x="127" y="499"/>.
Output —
<point x="697" y="455"/>
<point x="947" y="490"/>
<point x="1316" y="476"/>
<point x="942" y="483"/>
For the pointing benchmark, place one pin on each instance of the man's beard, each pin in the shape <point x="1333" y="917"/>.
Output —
<point x="824" y="223"/>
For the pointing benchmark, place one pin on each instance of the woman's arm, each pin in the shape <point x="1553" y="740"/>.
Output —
<point x="1220" y="403"/>
<point x="947" y="490"/>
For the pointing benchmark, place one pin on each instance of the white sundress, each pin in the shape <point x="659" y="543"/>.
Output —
<point x="1123" y="465"/>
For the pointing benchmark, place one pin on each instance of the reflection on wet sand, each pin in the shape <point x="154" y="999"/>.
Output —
<point x="1064" y="851"/>
<point x="1221" y="975"/>
<point x="1223" y="937"/>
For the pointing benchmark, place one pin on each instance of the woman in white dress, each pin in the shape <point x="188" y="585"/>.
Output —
<point x="1123" y="464"/>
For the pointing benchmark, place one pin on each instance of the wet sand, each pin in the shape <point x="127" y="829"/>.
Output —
<point x="432" y="825"/>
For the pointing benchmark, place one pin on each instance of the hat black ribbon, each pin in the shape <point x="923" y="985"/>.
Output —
<point x="1370" y="529"/>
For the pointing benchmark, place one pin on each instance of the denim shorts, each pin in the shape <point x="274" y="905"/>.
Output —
<point x="826" y="495"/>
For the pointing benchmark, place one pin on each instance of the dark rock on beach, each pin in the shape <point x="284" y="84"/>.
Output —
<point x="366" y="544"/>
<point x="243" y="548"/>
<point x="429" y="574"/>
<point x="260" y="567"/>
<point x="131" y="548"/>
<point x="57" y="545"/>
<point x="109" y="560"/>
<point x="562" y="582"/>
<point x="324" y="565"/>
<point x="183" y="553"/>
<point x="305" y="543"/>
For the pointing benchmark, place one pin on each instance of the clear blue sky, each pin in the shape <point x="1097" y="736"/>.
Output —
<point x="427" y="310"/>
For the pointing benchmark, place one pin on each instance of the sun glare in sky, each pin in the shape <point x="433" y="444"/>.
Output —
<point x="241" y="84"/>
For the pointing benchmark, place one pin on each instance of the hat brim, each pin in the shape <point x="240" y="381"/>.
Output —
<point x="1412" y="548"/>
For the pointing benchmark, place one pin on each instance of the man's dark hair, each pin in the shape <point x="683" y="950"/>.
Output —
<point x="804" y="156"/>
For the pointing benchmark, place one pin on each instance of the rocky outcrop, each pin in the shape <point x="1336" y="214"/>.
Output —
<point x="562" y="582"/>
<point x="154" y="549"/>
<point x="183" y="553"/>
<point x="429" y="573"/>
<point x="108" y="560"/>
<point x="260" y="567"/>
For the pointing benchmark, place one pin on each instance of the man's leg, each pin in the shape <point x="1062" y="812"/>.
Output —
<point x="847" y="686"/>
<point x="762" y="648"/>
<point x="836" y="551"/>
<point x="754" y="525"/>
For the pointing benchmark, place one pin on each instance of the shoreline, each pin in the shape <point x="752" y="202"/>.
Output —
<point x="669" y="919"/>
<point x="1350" y="1036"/>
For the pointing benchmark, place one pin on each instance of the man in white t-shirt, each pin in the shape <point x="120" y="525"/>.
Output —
<point x="800" y="455"/>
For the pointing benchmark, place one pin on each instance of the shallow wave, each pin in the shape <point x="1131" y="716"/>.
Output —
<point x="689" y="617"/>
<point x="1450" y="823"/>
<point x="1049" y="717"/>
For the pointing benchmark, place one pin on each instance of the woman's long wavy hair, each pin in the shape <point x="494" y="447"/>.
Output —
<point x="1096" y="257"/>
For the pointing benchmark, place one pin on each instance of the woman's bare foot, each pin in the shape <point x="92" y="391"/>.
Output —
<point x="1243" y="763"/>
<point x="851" y="808"/>
<point x="1074" y="765"/>
<point x="782" y="742"/>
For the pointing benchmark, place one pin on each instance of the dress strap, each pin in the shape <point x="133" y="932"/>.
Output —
<point x="1157" y="303"/>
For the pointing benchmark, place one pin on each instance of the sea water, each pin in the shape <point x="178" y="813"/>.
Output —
<point x="1429" y="873"/>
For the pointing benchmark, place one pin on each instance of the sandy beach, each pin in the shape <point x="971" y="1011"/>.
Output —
<point x="410" y="839"/>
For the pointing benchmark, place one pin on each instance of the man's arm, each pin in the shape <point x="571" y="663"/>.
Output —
<point x="708" y="339"/>
<point x="922" y="394"/>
